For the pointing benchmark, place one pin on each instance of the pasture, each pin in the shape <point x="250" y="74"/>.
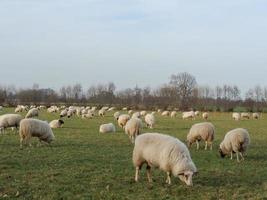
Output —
<point x="83" y="164"/>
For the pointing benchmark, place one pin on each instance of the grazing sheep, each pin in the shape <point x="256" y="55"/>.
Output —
<point x="133" y="128"/>
<point x="123" y="120"/>
<point x="150" y="120"/>
<point x="197" y="113"/>
<point x="143" y="113"/>
<point x="173" y="114"/>
<point x="89" y="115"/>
<point x="255" y="115"/>
<point x="236" y="116"/>
<point x="70" y="113"/>
<point x="136" y="115"/>
<point x="245" y="115"/>
<point x="9" y="120"/>
<point x="64" y="113"/>
<point x="130" y="112"/>
<point x="159" y="110"/>
<point x="205" y="115"/>
<point x="165" y="113"/>
<point x="235" y="141"/>
<point x="32" y="113"/>
<point x="57" y="123"/>
<point x="201" y="131"/>
<point x="107" y="128"/>
<point x="101" y="113"/>
<point x="188" y="115"/>
<point x="116" y="115"/>
<point x="111" y="109"/>
<point x="165" y="152"/>
<point x="125" y="109"/>
<point x="35" y="128"/>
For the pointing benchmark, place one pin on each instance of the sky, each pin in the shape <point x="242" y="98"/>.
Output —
<point x="132" y="42"/>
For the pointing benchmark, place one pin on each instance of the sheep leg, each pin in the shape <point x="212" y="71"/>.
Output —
<point x="237" y="156"/>
<point x="231" y="155"/>
<point x="137" y="169"/>
<point x="206" y="145"/>
<point x="241" y="154"/>
<point x="21" y="142"/>
<point x="197" y="145"/>
<point x="168" y="181"/>
<point x="211" y="146"/>
<point x="148" y="170"/>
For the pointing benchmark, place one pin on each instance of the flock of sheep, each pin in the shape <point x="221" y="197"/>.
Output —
<point x="153" y="149"/>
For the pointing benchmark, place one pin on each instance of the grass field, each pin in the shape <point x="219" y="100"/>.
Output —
<point x="83" y="164"/>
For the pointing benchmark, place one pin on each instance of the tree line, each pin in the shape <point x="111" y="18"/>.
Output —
<point x="180" y="92"/>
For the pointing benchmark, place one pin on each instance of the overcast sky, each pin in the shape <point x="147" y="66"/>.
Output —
<point x="129" y="42"/>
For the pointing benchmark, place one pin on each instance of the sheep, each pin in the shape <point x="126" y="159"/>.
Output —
<point x="9" y="120"/>
<point x="136" y="115"/>
<point x="159" y="110"/>
<point x="165" y="113"/>
<point x="63" y="113"/>
<point x="245" y="115"/>
<point x="197" y="113"/>
<point x="165" y="152"/>
<point x="89" y="115"/>
<point x="35" y="128"/>
<point x="133" y="128"/>
<point x="57" y="123"/>
<point x="173" y="114"/>
<point x="150" y="120"/>
<point x="111" y="109"/>
<point x="122" y="120"/>
<point x="70" y="113"/>
<point x="125" y="109"/>
<point x="205" y="115"/>
<point x="187" y="115"/>
<point x="116" y="115"/>
<point x="255" y="115"/>
<point x="101" y="113"/>
<point x="236" y="116"/>
<point x="130" y="112"/>
<point x="201" y="131"/>
<point x="107" y="128"/>
<point x="235" y="141"/>
<point x="32" y="113"/>
<point x="143" y="113"/>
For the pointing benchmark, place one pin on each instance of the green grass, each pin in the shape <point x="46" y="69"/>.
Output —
<point x="83" y="164"/>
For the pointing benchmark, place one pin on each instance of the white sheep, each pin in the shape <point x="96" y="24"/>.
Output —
<point x="33" y="112"/>
<point x="150" y="120"/>
<point x="136" y="115"/>
<point x="101" y="112"/>
<point x="125" y="109"/>
<point x="201" y="131"/>
<point x="236" y="116"/>
<point x="235" y="141"/>
<point x="165" y="113"/>
<point x="197" y="113"/>
<point x="130" y="112"/>
<point x="205" y="115"/>
<point x="111" y="109"/>
<point x="245" y="115"/>
<point x="255" y="115"/>
<point x="143" y="113"/>
<point x="116" y="115"/>
<point x="9" y="120"/>
<point x="188" y="115"/>
<point x="57" y="123"/>
<point x="173" y="114"/>
<point x="165" y="152"/>
<point x="35" y="128"/>
<point x="133" y="128"/>
<point x="64" y="113"/>
<point x="107" y="128"/>
<point x="122" y="120"/>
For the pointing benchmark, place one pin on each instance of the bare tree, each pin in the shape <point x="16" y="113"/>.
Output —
<point x="184" y="84"/>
